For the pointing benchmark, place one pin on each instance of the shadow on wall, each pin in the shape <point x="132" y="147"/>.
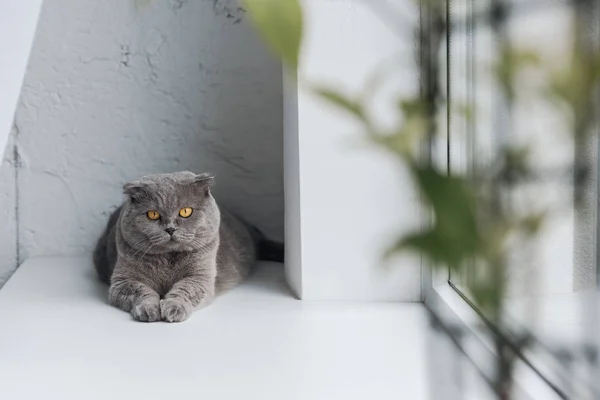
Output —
<point x="118" y="89"/>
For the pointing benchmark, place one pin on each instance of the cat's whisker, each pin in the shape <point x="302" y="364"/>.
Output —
<point x="146" y="252"/>
<point x="139" y="242"/>
<point x="142" y="245"/>
<point x="139" y="251"/>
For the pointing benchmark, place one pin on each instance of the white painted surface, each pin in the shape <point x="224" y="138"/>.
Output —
<point x="114" y="91"/>
<point x="18" y="21"/>
<point x="293" y="209"/>
<point x="354" y="199"/>
<point x="60" y="340"/>
<point x="479" y="343"/>
<point x="8" y="221"/>
<point x="561" y="317"/>
<point x="546" y="129"/>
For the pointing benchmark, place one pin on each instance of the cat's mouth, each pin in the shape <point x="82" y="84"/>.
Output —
<point x="171" y="240"/>
<point x="167" y="242"/>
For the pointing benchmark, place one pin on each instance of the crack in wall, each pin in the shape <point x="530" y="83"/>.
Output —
<point x="178" y="4"/>
<point x="17" y="166"/>
<point x="125" y="53"/>
<point x="229" y="10"/>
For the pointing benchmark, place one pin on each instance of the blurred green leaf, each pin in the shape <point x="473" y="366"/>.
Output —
<point x="139" y="4"/>
<point x="488" y="293"/>
<point x="413" y="107"/>
<point x="341" y="101"/>
<point x="514" y="167"/>
<point x="433" y="246"/>
<point x="404" y="140"/>
<point x="415" y="122"/>
<point x="452" y="202"/>
<point x="531" y="224"/>
<point x="466" y="110"/>
<point x="280" y="23"/>
<point x="510" y="63"/>
<point x="453" y="237"/>
<point x="575" y="84"/>
<point x="398" y="143"/>
<point x="526" y="58"/>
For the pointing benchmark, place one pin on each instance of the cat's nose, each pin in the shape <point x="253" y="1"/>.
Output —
<point x="170" y="231"/>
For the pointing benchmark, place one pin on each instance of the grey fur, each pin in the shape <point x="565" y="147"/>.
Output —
<point x="158" y="277"/>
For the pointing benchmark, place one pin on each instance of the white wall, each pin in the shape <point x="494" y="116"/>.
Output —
<point x="120" y="88"/>
<point x="352" y="200"/>
<point x="547" y="131"/>
<point x="293" y="209"/>
<point x="8" y="220"/>
<point x="18" y="21"/>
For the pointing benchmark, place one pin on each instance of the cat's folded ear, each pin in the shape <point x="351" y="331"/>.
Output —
<point x="203" y="183"/>
<point x="206" y="179"/>
<point x="136" y="191"/>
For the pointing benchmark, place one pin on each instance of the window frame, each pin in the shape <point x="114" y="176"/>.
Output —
<point x="539" y="374"/>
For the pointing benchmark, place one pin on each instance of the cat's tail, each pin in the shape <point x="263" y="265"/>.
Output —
<point x="270" y="250"/>
<point x="266" y="249"/>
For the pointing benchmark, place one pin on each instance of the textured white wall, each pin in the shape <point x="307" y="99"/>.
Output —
<point x="120" y="88"/>
<point x="18" y="21"/>
<point x="8" y="222"/>
<point x="350" y="201"/>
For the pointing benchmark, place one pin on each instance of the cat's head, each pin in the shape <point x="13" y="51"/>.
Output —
<point x="169" y="212"/>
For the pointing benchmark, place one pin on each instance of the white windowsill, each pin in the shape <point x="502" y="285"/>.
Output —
<point x="480" y="346"/>
<point x="61" y="340"/>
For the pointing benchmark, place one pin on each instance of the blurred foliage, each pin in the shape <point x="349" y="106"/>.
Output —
<point x="454" y="236"/>
<point x="342" y="101"/>
<point x="574" y="85"/>
<point x="510" y="63"/>
<point x="475" y="225"/>
<point x="473" y="221"/>
<point x="280" y="23"/>
<point x="139" y="4"/>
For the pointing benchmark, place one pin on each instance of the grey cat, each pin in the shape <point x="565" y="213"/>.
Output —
<point x="169" y="249"/>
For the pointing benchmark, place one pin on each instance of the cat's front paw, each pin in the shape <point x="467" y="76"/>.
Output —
<point x="173" y="310"/>
<point x="147" y="310"/>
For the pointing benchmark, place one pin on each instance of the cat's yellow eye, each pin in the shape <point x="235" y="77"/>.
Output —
<point x="153" y="215"/>
<point x="185" y="212"/>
